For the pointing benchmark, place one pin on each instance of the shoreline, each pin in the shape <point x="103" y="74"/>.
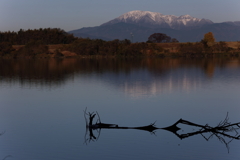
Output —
<point x="161" y="50"/>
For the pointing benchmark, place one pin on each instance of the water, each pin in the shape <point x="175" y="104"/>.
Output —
<point x="42" y="103"/>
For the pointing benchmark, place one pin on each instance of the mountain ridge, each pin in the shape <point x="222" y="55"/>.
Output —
<point x="155" y="20"/>
<point x="185" y="28"/>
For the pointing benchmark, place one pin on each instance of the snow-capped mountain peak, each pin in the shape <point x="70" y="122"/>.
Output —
<point x="139" y="14"/>
<point x="187" y="16"/>
<point x="155" y="19"/>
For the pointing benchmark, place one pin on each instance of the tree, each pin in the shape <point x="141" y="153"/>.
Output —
<point x="209" y="38"/>
<point x="174" y="40"/>
<point x="160" y="38"/>
<point x="47" y="35"/>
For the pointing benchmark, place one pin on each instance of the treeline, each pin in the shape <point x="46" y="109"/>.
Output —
<point x="106" y="48"/>
<point x="126" y="48"/>
<point x="204" y="48"/>
<point x="37" y="43"/>
<point x="97" y="47"/>
<point x="46" y="35"/>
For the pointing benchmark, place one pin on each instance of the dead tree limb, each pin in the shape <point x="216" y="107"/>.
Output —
<point x="221" y="131"/>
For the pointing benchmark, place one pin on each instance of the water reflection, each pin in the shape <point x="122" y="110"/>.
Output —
<point x="225" y="131"/>
<point x="48" y="124"/>
<point x="130" y="79"/>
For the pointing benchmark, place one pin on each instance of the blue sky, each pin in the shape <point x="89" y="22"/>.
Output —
<point x="75" y="14"/>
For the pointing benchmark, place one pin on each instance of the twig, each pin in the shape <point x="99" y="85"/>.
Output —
<point x="85" y="116"/>
<point x="98" y="117"/>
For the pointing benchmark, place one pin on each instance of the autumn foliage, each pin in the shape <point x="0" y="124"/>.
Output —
<point x="209" y="38"/>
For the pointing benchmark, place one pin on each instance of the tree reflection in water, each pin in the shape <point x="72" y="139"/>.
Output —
<point x="56" y="71"/>
<point x="225" y="131"/>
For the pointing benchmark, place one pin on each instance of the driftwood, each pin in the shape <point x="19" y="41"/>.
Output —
<point x="222" y="131"/>
<point x="100" y="125"/>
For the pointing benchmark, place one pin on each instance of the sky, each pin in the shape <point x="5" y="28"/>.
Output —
<point x="75" y="14"/>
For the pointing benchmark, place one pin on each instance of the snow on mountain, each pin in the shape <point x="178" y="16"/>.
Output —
<point x="155" y="19"/>
<point x="236" y="23"/>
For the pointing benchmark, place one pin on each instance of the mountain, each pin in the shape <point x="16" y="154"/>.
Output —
<point x="144" y="23"/>
<point x="234" y="23"/>
<point x="158" y="20"/>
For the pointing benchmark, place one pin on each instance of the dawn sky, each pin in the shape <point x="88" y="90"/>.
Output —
<point x="75" y="14"/>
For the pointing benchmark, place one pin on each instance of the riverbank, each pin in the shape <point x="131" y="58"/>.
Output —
<point x="91" y="48"/>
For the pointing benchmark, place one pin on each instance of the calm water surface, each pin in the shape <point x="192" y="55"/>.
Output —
<point x="42" y="103"/>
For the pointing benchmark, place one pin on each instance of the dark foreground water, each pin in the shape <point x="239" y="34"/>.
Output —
<point x="42" y="103"/>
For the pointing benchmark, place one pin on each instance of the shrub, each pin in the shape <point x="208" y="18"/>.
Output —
<point x="6" y="48"/>
<point x="32" y="49"/>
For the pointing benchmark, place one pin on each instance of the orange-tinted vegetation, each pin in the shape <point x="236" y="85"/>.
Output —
<point x="48" y="43"/>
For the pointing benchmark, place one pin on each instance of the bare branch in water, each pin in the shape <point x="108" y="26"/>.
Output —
<point x="221" y="131"/>
<point x="99" y="120"/>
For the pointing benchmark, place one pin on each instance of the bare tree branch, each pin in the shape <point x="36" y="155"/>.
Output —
<point x="222" y="131"/>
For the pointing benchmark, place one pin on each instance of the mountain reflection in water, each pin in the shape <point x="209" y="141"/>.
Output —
<point x="132" y="76"/>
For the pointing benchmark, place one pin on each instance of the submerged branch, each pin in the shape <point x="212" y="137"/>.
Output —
<point x="221" y="131"/>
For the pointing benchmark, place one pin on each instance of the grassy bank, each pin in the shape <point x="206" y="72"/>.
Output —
<point x="116" y="48"/>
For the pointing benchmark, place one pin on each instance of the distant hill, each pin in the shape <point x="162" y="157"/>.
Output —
<point x="144" y="23"/>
